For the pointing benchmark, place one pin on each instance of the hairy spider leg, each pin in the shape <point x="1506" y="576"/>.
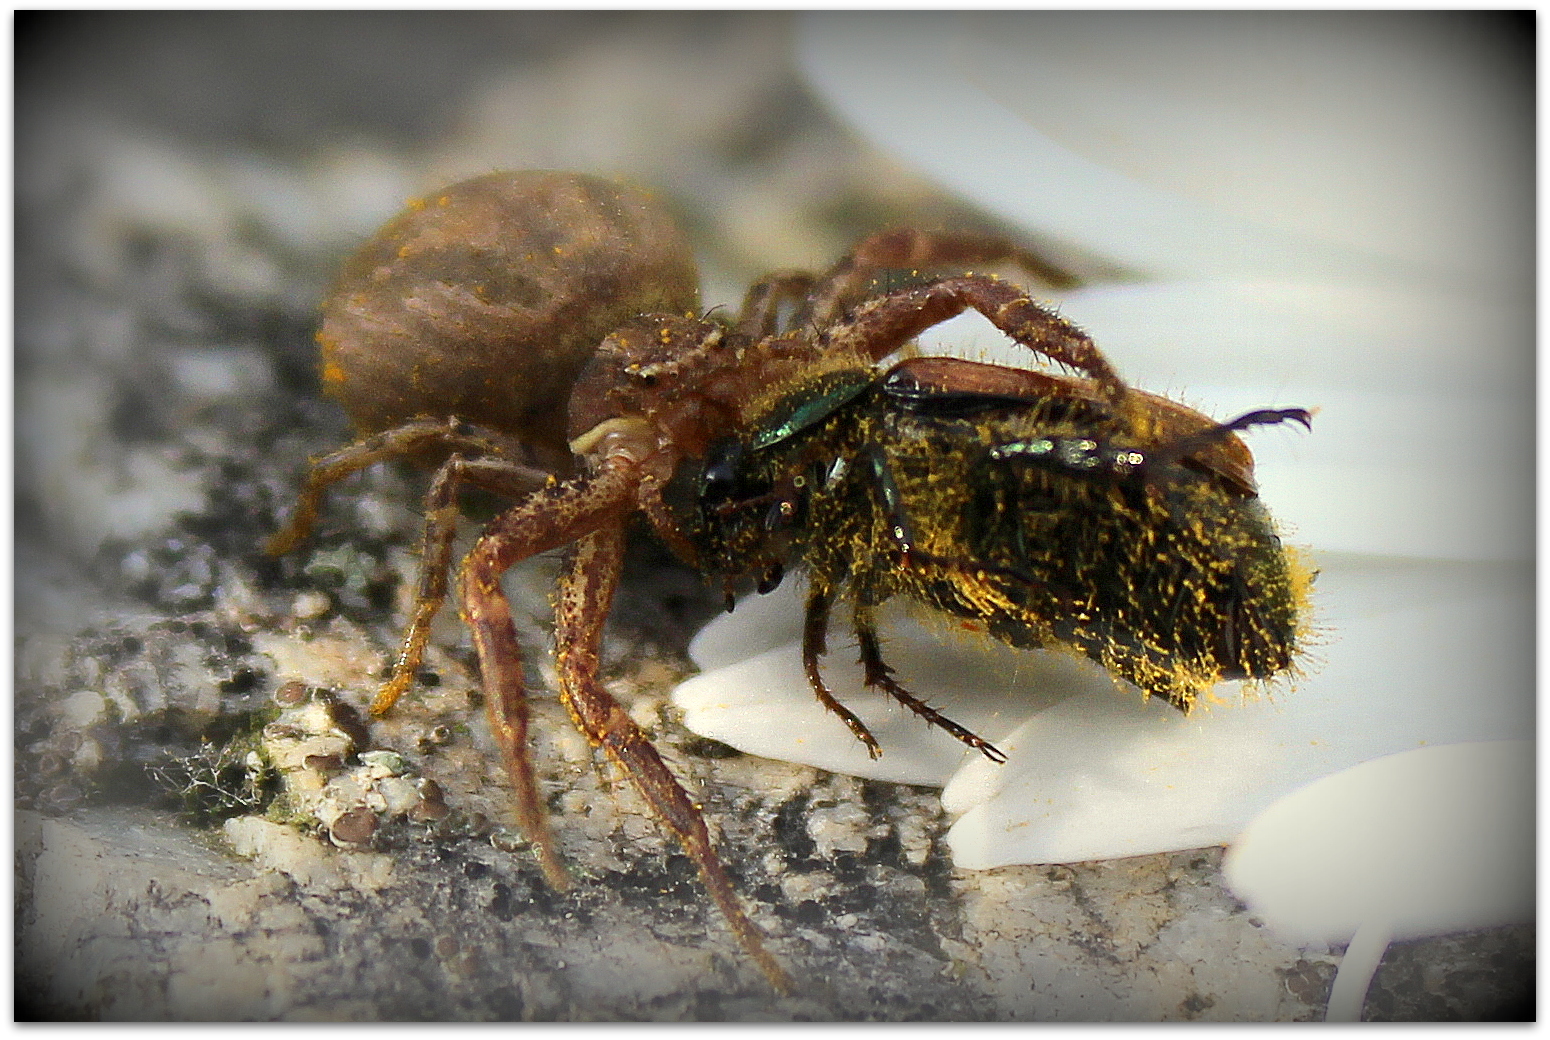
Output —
<point x="878" y="327"/>
<point x="760" y="316"/>
<point x="555" y="515"/>
<point x="441" y="518"/>
<point x="909" y="249"/>
<point x="586" y="589"/>
<point x="590" y="512"/>
<point x="411" y="438"/>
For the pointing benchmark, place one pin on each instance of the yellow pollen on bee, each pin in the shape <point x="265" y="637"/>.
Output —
<point x="332" y="373"/>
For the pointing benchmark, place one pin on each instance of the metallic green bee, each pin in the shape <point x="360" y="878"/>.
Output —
<point x="1057" y="512"/>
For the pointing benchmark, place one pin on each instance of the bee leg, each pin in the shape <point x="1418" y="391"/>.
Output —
<point x="408" y="439"/>
<point x="815" y="645"/>
<point x="586" y="589"/>
<point x="908" y="249"/>
<point x="880" y="676"/>
<point x="441" y="516"/>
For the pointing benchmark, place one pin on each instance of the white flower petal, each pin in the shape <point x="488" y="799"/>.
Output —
<point x="1433" y="840"/>
<point x="758" y="624"/>
<point x="1419" y="654"/>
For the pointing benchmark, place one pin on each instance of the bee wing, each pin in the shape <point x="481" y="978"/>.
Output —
<point x="1156" y="420"/>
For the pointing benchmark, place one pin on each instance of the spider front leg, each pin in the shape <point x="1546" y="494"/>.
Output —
<point x="556" y="515"/>
<point x="880" y="326"/>
<point x="909" y="249"/>
<point x="586" y="591"/>
<point x="590" y="512"/>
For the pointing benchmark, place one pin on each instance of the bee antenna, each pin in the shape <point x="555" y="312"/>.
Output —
<point x="1189" y="445"/>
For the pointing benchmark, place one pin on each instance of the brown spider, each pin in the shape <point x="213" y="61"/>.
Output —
<point x="407" y="348"/>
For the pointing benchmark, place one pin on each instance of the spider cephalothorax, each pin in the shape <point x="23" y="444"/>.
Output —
<point x="1056" y="509"/>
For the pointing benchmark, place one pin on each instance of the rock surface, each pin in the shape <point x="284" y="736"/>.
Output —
<point x="207" y="828"/>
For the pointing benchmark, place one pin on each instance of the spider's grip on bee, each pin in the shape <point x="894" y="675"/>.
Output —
<point x="1063" y="510"/>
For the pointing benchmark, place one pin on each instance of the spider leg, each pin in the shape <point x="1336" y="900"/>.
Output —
<point x="909" y="249"/>
<point x="411" y="438"/>
<point x="878" y="327"/>
<point x="760" y="316"/>
<point x="555" y="515"/>
<point x="441" y="516"/>
<point x="814" y="646"/>
<point x="664" y="523"/>
<point x="586" y="589"/>
<point x="879" y="675"/>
